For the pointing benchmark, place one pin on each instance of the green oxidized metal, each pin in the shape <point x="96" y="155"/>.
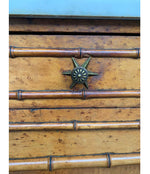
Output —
<point x="80" y="74"/>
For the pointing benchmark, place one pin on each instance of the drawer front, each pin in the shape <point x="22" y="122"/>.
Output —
<point x="46" y="73"/>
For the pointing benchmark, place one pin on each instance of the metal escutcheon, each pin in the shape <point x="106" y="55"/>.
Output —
<point x="80" y="74"/>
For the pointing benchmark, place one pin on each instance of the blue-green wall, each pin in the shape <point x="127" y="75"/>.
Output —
<point x="83" y="8"/>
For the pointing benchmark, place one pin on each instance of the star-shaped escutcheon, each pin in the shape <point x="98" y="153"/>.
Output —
<point x="80" y="74"/>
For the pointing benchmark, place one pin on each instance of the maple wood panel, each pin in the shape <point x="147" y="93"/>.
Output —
<point x="130" y="169"/>
<point x="45" y="73"/>
<point x="81" y="114"/>
<point x="43" y="143"/>
<point x="73" y="103"/>
<point x="75" y="41"/>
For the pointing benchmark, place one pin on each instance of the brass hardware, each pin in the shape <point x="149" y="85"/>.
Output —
<point x="80" y="74"/>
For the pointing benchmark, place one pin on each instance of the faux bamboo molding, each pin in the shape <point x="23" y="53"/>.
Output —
<point x="55" y="162"/>
<point x="72" y="52"/>
<point x="74" y="125"/>
<point x="61" y="94"/>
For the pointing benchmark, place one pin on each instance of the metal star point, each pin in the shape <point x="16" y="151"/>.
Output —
<point x="80" y="74"/>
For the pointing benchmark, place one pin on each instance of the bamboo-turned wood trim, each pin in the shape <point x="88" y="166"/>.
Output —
<point x="72" y="52"/>
<point x="83" y="94"/>
<point x="55" y="162"/>
<point x="74" y="125"/>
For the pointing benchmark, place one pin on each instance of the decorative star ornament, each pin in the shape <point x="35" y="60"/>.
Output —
<point x="80" y="74"/>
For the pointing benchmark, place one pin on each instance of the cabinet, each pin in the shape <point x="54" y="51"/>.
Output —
<point x="44" y="74"/>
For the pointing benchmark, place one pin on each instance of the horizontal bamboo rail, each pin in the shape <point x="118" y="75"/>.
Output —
<point x="20" y="94"/>
<point x="74" y="125"/>
<point x="72" y="52"/>
<point x="55" y="162"/>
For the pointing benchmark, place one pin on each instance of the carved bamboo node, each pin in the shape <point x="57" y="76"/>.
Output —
<point x="74" y="125"/>
<point x="82" y="94"/>
<point x="55" y="162"/>
<point x="72" y="52"/>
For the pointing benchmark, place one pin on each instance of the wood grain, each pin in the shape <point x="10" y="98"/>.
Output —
<point x="128" y="169"/>
<point x="71" y="103"/>
<point x="43" y="143"/>
<point x="38" y="74"/>
<point x="76" y="25"/>
<point x="44" y="74"/>
<point x="75" y="41"/>
<point x="82" y="114"/>
<point x="41" y="74"/>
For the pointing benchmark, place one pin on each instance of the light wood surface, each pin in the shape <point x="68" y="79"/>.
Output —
<point x="75" y="41"/>
<point x="66" y="114"/>
<point x="70" y="103"/>
<point x="43" y="143"/>
<point x="32" y="74"/>
<point x="42" y="74"/>
<point x="127" y="169"/>
<point x="77" y="103"/>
